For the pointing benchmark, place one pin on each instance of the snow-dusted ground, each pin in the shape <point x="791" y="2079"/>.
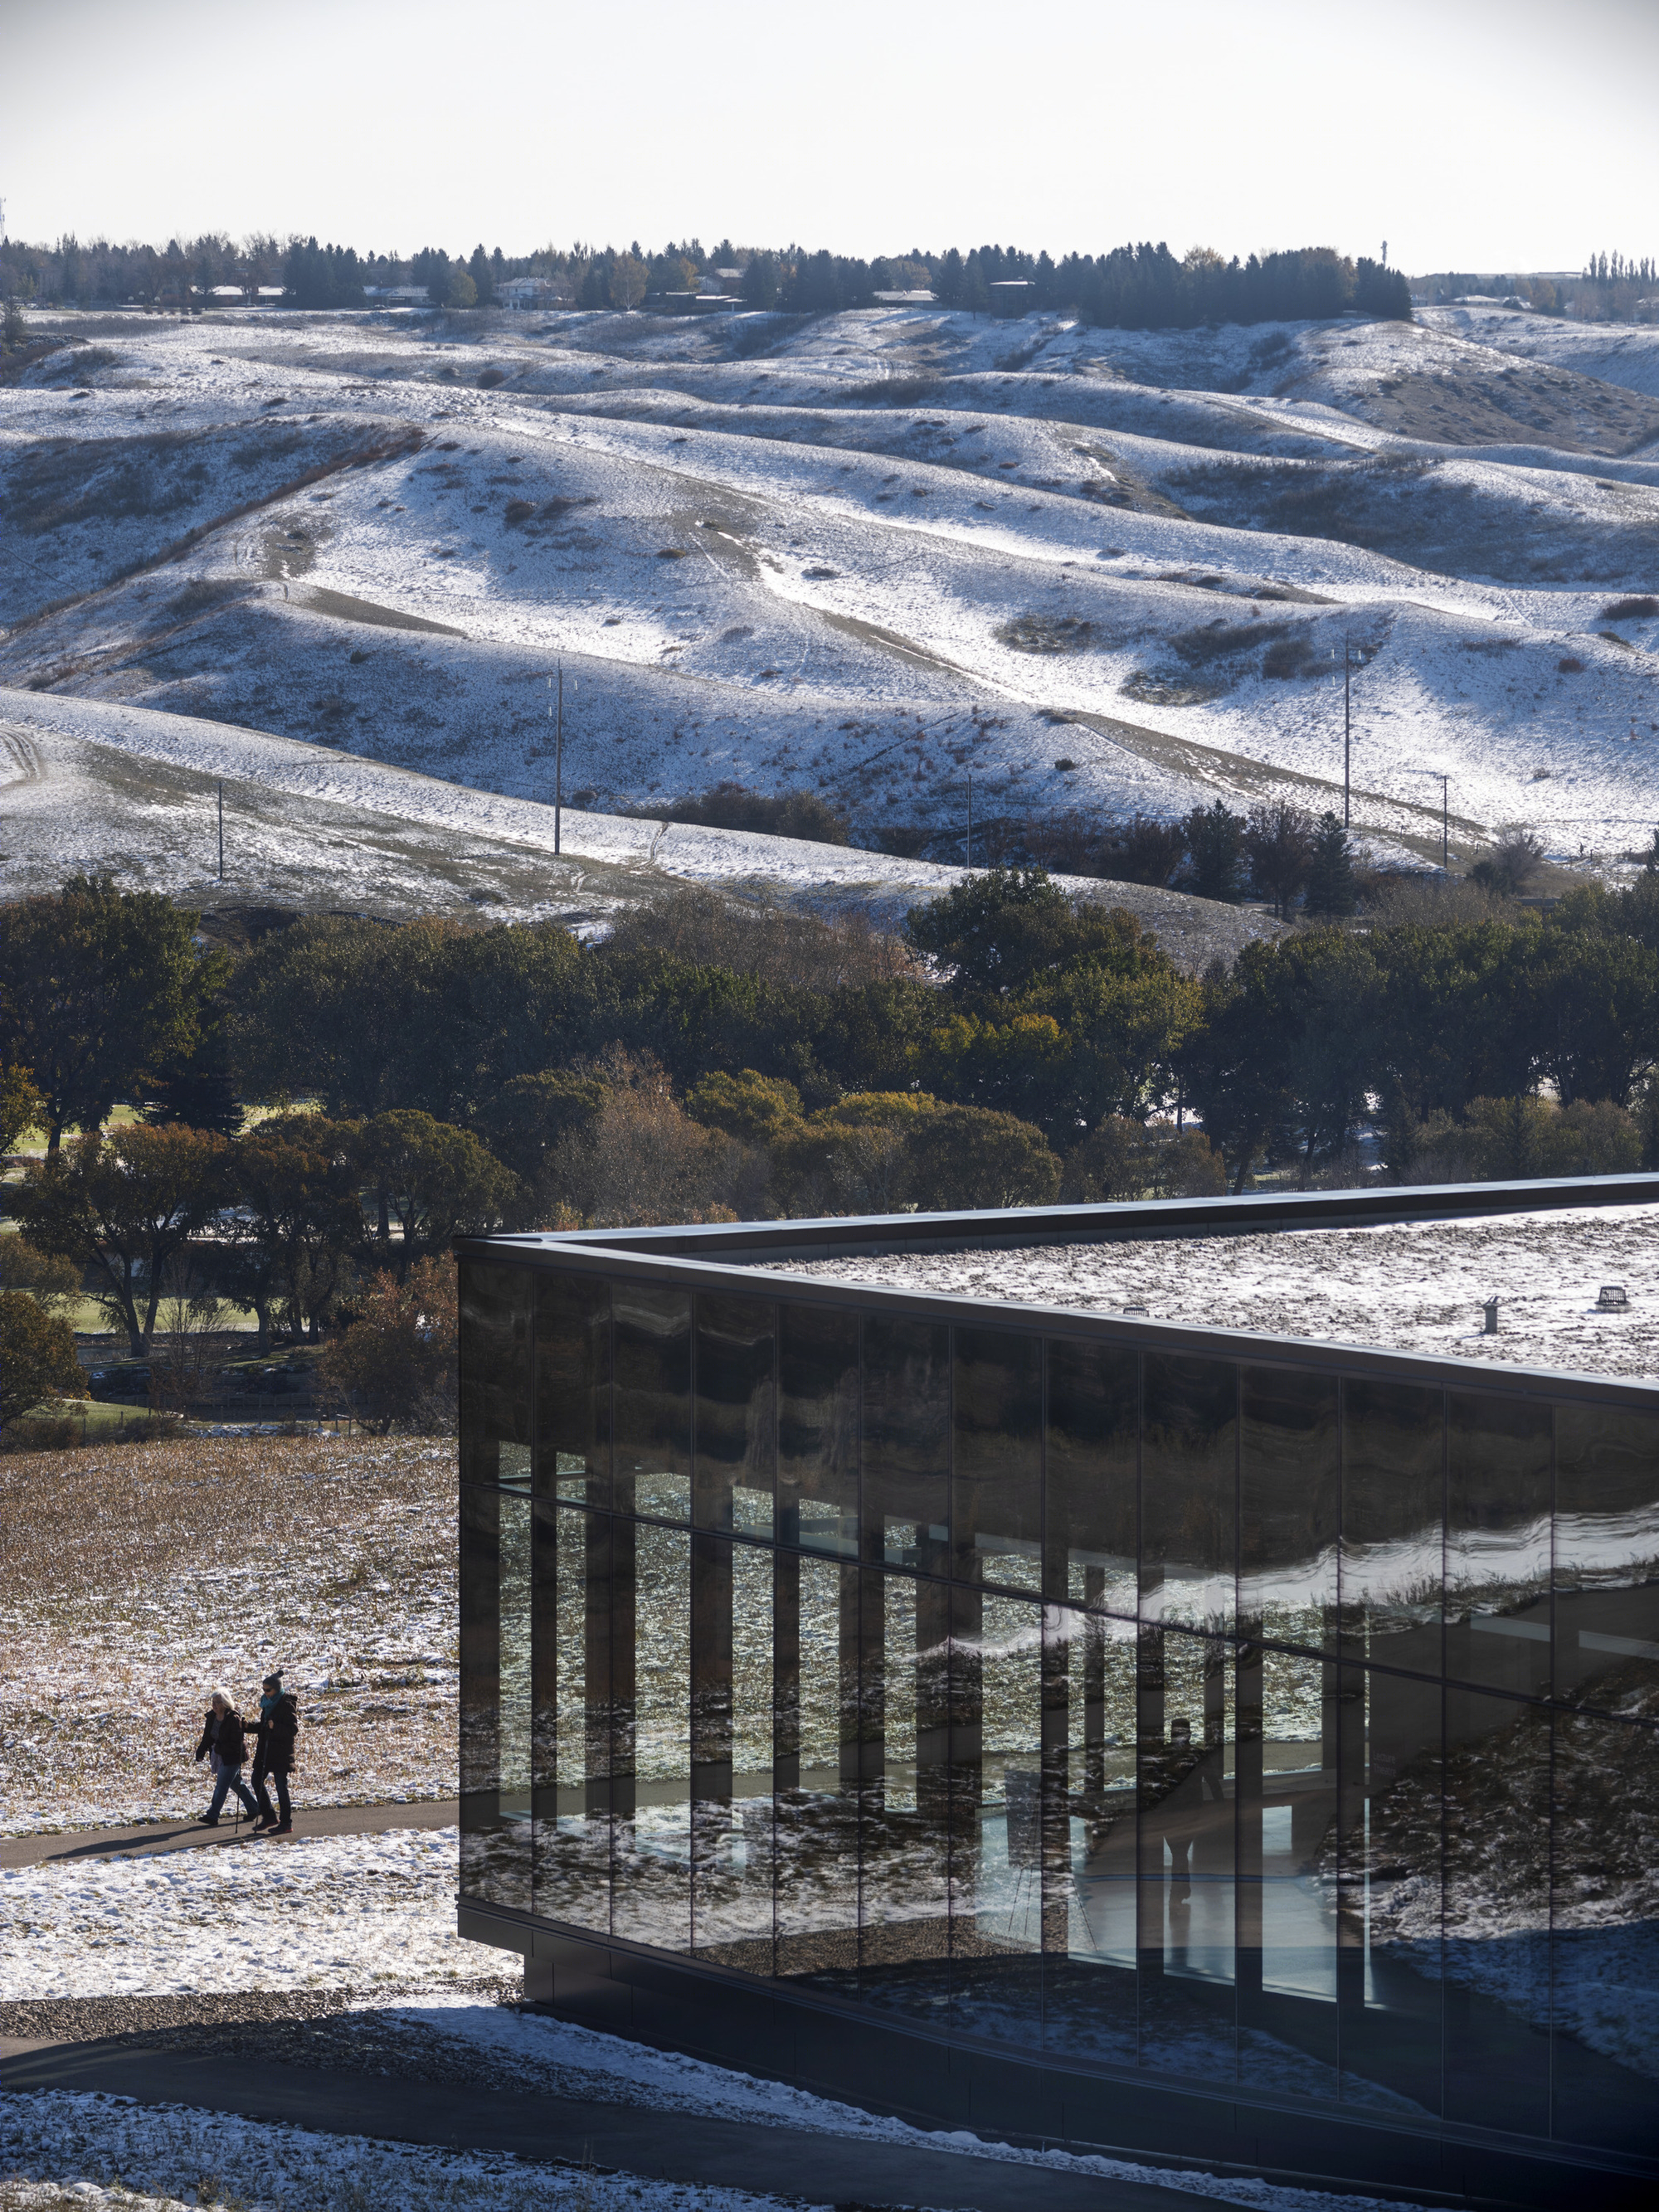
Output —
<point x="356" y="1912"/>
<point x="108" y="2154"/>
<point x="93" y="783"/>
<point x="1416" y="1287"/>
<point x="349" y="1913"/>
<point x="137" y="1580"/>
<point x="1053" y="544"/>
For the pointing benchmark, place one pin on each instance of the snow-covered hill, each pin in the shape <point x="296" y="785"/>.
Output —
<point x="870" y="555"/>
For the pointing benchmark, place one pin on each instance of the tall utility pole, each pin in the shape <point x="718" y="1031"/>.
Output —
<point x="557" y="712"/>
<point x="970" y="821"/>
<point x="221" y="830"/>
<point x="1347" y="733"/>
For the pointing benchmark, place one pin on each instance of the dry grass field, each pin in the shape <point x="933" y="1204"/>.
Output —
<point x="137" y="1579"/>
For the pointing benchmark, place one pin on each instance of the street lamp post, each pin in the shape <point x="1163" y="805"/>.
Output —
<point x="556" y="715"/>
<point x="1444" y="780"/>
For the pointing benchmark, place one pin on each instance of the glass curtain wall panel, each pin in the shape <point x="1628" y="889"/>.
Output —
<point x="816" y="1819"/>
<point x="906" y="1462"/>
<point x="1090" y="2007"/>
<point x="1499" y="1481"/>
<point x="1393" y="1523"/>
<point x="997" y="1475"/>
<point x="1188" y="1712"/>
<point x="1092" y="1455"/>
<point x="1386" y="1870"/>
<point x="495" y="1372"/>
<point x="904" y="1917"/>
<point x="516" y="1749"/>
<point x="736" y="1420"/>
<point x="495" y="1861"/>
<point x="652" y="1848"/>
<point x="1286" y="1765"/>
<point x="1189" y="1491"/>
<point x="1605" y="1933"/>
<point x="1606" y="1557"/>
<point x="818" y="1403"/>
<point x="651" y="1355"/>
<point x="996" y="1863"/>
<point x="1289" y="1504"/>
<point x="732" y="1711"/>
<point x="573" y="1715"/>
<point x="1495" y="1932"/>
<point x="573" y="1389"/>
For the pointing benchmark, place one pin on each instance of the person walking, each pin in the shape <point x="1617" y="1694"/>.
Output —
<point x="224" y="1745"/>
<point x="277" y="1730"/>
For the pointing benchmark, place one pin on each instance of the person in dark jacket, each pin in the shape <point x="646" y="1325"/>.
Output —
<point x="224" y="1745"/>
<point x="277" y="1730"/>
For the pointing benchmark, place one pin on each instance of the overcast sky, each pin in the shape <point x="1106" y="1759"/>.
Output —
<point x="1471" y="134"/>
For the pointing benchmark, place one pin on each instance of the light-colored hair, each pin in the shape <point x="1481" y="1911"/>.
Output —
<point x="218" y="1697"/>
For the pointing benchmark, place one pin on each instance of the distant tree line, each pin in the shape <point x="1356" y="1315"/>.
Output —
<point x="1612" y="288"/>
<point x="713" y="1061"/>
<point x="1129" y="287"/>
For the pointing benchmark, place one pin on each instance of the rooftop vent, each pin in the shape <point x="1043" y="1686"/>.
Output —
<point x="1490" y="1310"/>
<point x="1611" y="1298"/>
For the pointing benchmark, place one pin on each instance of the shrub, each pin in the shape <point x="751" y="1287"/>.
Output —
<point x="491" y="378"/>
<point x="37" y="1357"/>
<point x="520" y="510"/>
<point x="1511" y="865"/>
<point x="971" y="1156"/>
<point x="728" y="805"/>
<point x="1634" y="609"/>
<point x="1037" y="633"/>
<point x="1120" y="1159"/>
<point x="395" y="1365"/>
<point x="1289" y="657"/>
<point x="1523" y="1139"/>
<point x="1570" y="665"/>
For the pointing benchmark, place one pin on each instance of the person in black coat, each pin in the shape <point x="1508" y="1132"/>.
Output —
<point x="224" y="1744"/>
<point x="277" y="1730"/>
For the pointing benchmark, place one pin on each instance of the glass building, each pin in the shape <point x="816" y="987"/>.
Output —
<point x="1082" y="1727"/>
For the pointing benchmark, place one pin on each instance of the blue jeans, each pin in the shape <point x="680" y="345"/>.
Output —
<point x="227" y="1778"/>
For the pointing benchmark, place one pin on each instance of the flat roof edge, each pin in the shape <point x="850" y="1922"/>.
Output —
<point x="872" y="1236"/>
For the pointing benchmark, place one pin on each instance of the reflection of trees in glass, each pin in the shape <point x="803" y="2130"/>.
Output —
<point x="515" y="1618"/>
<point x="662" y="1654"/>
<point x="751" y="1660"/>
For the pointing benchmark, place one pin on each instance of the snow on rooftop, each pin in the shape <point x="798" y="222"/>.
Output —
<point x="1412" y="1287"/>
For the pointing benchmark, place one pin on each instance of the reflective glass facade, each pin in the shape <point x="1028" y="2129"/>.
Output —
<point x="1279" y="1727"/>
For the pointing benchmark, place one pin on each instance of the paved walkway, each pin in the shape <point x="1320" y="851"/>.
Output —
<point x="680" y="2147"/>
<point x="158" y="1836"/>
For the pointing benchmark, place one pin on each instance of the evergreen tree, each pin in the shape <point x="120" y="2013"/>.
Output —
<point x="1331" y="887"/>
<point x="1215" y="847"/>
<point x="484" y="277"/>
<point x="761" y="278"/>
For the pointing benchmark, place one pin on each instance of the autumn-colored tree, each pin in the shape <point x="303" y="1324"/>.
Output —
<point x="395" y="1364"/>
<point x="50" y="1279"/>
<point x="21" y="1106"/>
<point x="122" y="1206"/>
